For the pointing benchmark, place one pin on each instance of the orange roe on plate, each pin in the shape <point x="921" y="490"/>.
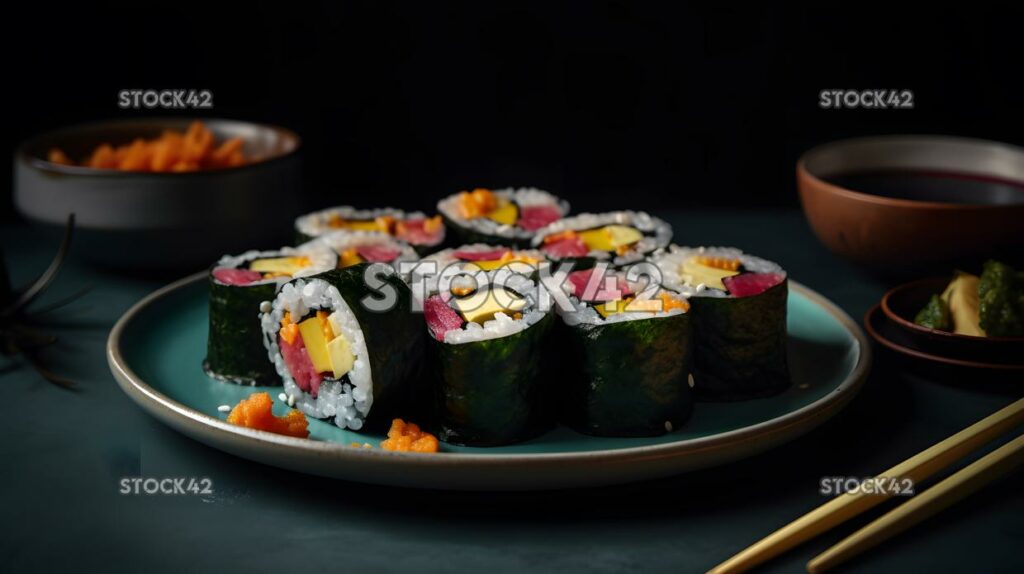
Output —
<point x="254" y="412"/>
<point x="407" y="437"/>
<point x="172" y="151"/>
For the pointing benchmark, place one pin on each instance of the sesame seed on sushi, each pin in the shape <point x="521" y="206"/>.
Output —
<point x="739" y="303"/>
<point x="627" y="355"/>
<point x="424" y="234"/>
<point x="618" y="237"/>
<point x="501" y="217"/>
<point x="485" y="351"/>
<point x="338" y="358"/>
<point x="238" y="284"/>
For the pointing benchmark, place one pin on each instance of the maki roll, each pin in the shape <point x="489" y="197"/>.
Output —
<point x="423" y="233"/>
<point x="739" y="305"/>
<point x="238" y="284"/>
<point x="339" y="355"/>
<point x="484" y="349"/>
<point x="355" y="247"/>
<point x="502" y="217"/>
<point x="628" y="356"/>
<point x="469" y="259"/>
<point x="618" y="237"/>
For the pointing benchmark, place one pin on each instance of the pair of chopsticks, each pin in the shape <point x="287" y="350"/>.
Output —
<point x="917" y="468"/>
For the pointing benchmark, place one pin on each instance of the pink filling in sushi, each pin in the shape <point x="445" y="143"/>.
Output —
<point x="534" y="217"/>
<point x="229" y="276"/>
<point x="580" y="280"/>
<point x="377" y="253"/>
<point x="415" y="232"/>
<point x="296" y="358"/>
<point x="749" y="284"/>
<point x="440" y="317"/>
<point x="569" y="247"/>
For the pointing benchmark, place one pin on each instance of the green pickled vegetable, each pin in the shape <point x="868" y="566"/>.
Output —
<point x="1001" y="291"/>
<point x="935" y="315"/>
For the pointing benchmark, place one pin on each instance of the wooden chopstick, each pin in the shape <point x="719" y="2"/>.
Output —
<point x="964" y="482"/>
<point x="842" y="508"/>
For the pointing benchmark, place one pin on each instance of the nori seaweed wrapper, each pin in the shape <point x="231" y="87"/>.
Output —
<point x="492" y="392"/>
<point x="468" y="236"/>
<point x="301" y="238"/>
<point x="394" y="341"/>
<point x="741" y="345"/>
<point x="234" y="347"/>
<point x="628" y="378"/>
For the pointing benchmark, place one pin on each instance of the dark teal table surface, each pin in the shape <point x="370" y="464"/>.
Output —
<point x="64" y="455"/>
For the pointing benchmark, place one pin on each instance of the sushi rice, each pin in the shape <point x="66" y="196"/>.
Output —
<point x="459" y="263"/>
<point x="625" y="371"/>
<point x="321" y="259"/>
<point x="670" y="262"/>
<point x="234" y="343"/>
<point x="317" y="223"/>
<point x="348" y="243"/>
<point x="656" y="234"/>
<point x="347" y="402"/>
<point x="739" y="303"/>
<point x="482" y="228"/>
<point x="487" y="351"/>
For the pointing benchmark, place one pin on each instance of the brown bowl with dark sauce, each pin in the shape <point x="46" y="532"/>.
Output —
<point x="905" y="203"/>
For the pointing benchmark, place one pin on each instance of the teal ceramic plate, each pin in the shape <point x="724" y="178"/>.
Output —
<point x="156" y="349"/>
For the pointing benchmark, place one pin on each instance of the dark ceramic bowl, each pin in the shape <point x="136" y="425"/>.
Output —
<point x="967" y="371"/>
<point x="162" y="220"/>
<point x="946" y="199"/>
<point x="901" y="304"/>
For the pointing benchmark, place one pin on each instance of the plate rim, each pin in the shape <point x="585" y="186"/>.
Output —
<point x="169" y="411"/>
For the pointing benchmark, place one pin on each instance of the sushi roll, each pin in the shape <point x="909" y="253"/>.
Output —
<point x="628" y="355"/>
<point x="472" y="258"/>
<point x="739" y="306"/>
<point x="355" y="247"/>
<point x="618" y="237"/>
<point x="238" y="284"/>
<point x="501" y="217"/>
<point x="340" y="356"/>
<point x="484" y="349"/>
<point x="424" y="234"/>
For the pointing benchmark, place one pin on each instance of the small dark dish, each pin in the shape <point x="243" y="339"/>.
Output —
<point x="165" y="220"/>
<point x="901" y="304"/>
<point x="961" y="370"/>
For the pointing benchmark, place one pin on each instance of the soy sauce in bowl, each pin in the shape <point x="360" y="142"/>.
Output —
<point x="933" y="186"/>
<point x="915" y="204"/>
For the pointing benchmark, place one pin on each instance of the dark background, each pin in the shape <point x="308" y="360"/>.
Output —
<point x="659" y="104"/>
